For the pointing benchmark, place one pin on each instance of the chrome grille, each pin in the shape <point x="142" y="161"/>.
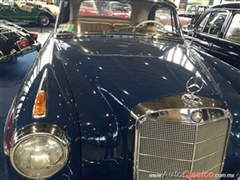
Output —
<point x="176" y="146"/>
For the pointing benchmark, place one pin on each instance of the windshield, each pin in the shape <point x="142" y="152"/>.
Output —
<point x="94" y="16"/>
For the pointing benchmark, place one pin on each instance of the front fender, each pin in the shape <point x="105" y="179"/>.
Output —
<point x="60" y="108"/>
<point x="228" y="72"/>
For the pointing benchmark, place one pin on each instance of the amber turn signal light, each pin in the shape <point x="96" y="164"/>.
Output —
<point x="40" y="104"/>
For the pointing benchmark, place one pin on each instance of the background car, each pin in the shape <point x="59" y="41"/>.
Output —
<point x="88" y="8"/>
<point x="19" y="11"/>
<point x="217" y="33"/>
<point x="115" y="8"/>
<point x="192" y="14"/>
<point x="40" y="4"/>
<point x="15" y="41"/>
<point x="112" y="98"/>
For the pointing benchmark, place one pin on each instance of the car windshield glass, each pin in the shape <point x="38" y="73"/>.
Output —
<point x="212" y="22"/>
<point x="105" y="8"/>
<point x="113" y="16"/>
<point x="201" y="9"/>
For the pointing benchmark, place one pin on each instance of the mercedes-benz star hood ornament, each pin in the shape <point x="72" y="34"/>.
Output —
<point x="193" y="85"/>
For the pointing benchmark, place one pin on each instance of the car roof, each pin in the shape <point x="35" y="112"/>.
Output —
<point x="233" y="5"/>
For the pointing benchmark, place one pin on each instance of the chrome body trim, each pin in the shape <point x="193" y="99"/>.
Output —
<point x="174" y="114"/>
<point x="39" y="129"/>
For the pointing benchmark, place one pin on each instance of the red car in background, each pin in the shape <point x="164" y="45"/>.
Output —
<point x="118" y="9"/>
<point x="88" y="8"/>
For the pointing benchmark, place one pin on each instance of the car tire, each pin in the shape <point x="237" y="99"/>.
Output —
<point x="43" y="20"/>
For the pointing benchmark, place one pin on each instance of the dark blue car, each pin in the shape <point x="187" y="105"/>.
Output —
<point x="217" y="32"/>
<point x="111" y="98"/>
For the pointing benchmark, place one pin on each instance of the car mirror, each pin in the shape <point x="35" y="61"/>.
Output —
<point x="190" y="26"/>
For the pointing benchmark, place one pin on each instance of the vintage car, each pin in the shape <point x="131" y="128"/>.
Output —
<point x="40" y="4"/>
<point x="191" y="15"/>
<point x="88" y="8"/>
<point x="112" y="98"/>
<point x="115" y="8"/>
<point x="19" y="11"/>
<point x="16" y="41"/>
<point x="217" y="32"/>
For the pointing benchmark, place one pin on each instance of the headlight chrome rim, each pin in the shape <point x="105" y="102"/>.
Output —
<point x="42" y="132"/>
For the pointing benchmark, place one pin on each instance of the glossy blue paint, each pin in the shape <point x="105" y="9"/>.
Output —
<point x="220" y="43"/>
<point x="229" y="83"/>
<point x="95" y="79"/>
<point x="90" y="94"/>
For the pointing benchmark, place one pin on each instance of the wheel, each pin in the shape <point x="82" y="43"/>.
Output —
<point x="43" y="20"/>
<point x="150" y="21"/>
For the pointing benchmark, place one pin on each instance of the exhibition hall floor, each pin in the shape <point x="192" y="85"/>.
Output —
<point x="11" y="76"/>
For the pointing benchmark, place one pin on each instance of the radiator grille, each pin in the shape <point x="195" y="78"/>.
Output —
<point x="165" y="146"/>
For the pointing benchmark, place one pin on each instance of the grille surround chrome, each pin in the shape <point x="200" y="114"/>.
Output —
<point x="212" y="115"/>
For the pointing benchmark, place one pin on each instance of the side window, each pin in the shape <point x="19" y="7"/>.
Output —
<point x="233" y="32"/>
<point x="212" y="23"/>
<point x="165" y="17"/>
<point x="201" y="25"/>
<point x="192" y="9"/>
<point x="201" y="9"/>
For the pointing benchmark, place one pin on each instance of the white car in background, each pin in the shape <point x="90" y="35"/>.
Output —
<point x="50" y="7"/>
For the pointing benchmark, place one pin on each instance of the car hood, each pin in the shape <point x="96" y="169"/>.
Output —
<point x="127" y="71"/>
<point x="134" y="69"/>
<point x="111" y="75"/>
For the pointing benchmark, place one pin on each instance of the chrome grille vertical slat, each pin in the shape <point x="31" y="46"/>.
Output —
<point x="170" y="145"/>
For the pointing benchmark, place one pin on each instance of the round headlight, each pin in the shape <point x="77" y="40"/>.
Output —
<point x="39" y="154"/>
